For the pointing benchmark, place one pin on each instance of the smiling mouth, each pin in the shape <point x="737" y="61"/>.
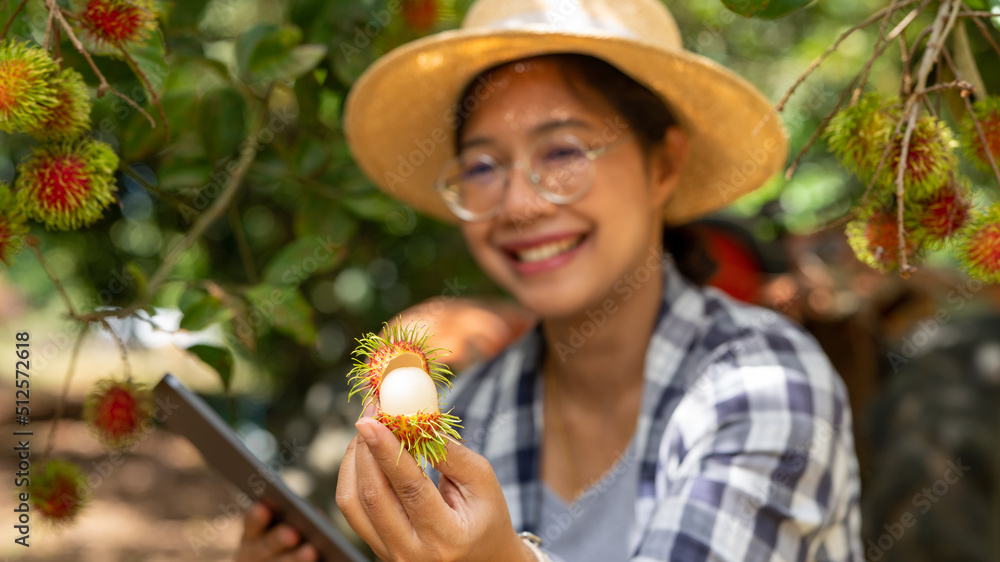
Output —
<point x="547" y="251"/>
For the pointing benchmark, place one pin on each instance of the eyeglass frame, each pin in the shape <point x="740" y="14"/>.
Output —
<point x="534" y="179"/>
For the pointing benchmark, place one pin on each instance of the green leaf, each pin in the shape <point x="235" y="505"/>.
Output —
<point x="372" y="206"/>
<point x="303" y="258"/>
<point x="218" y="358"/>
<point x="200" y="310"/>
<point x="977" y="4"/>
<point x="150" y="57"/>
<point x="780" y="8"/>
<point x="285" y="309"/>
<point x="270" y="52"/>
<point x="140" y="141"/>
<point x="222" y="122"/>
<point x="995" y="10"/>
<point x="322" y="217"/>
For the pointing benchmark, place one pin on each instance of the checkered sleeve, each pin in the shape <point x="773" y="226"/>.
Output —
<point x="757" y="461"/>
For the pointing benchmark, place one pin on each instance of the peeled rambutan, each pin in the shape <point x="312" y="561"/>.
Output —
<point x="26" y="92"/>
<point x="12" y="227"/>
<point x="56" y="490"/>
<point x="401" y="378"/>
<point x="874" y="237"/>
<point x="421" y="15"/>
<point x="980" y="246"/>
<point x="987" y="111"/>
<point x="857" y="135"/>
<point x="945" y="211"/>
<point x="119" y="412"/>
<point x="70" y="115"/>
<point x="117" y="23"/>
<point x="400" y="347"/>
<point x="68" y="185"/>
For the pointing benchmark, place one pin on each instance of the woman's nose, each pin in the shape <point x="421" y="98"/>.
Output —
<point x="522" y="204"/>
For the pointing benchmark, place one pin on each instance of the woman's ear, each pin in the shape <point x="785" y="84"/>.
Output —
<point x="666" y="161"/>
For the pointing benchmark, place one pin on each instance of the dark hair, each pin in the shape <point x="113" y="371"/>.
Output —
<point x="648" y="116"/>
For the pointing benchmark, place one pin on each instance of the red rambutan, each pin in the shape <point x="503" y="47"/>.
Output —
<point x="980" y="246"/>
<point x="119" y="412"/>
<point x="26" y="93"/>
<point x="930" y="158"/>
<point x="857" y="135"/>
<point x="420" y="15"/>
<point x="987" y="111"/>
<point x="68" y="185"/>
<point x="401" y="347"/>
<point x="944" y="212"/>
<point x="57" y="490"/>
<point x="12" y="227"/>
<point x="70" y="115"/>
<point x="874" y="237"/>
<point x="117" y="23"/>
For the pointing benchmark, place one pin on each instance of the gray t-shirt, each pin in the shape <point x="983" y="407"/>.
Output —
<point x="596" y="526"/>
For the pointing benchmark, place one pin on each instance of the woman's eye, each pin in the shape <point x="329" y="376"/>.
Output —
<point x="562" y="153"/>
<point x="477" y="171"/>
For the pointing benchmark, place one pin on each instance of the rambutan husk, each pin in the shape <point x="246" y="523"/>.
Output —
<point x="13" y="227"/>
<point x="424" y="435"/>
<point x="874" y="236"/>
<point x="857" y="134"/>
<point x="110" y="24"/>
<point x="70" y="115"/>
<point x="119" y="412"/>
<point x="26" y="92"/>
<point x="979" y="247"/>
<point x="56" y="490"/>
<point x="987" y="112"/>
<point x="943" y="213"/>
<point x="68" y="185"/>
<point x="400" y="347"/>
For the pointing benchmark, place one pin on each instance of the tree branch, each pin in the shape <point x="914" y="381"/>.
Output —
<point x="61" y="404"/>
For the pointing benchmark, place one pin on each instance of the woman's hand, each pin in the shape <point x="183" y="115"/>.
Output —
<point x="398" y="511"/>
<point x="260" y="544"/>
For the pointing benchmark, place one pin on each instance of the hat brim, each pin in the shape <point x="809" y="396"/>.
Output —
<point x="399" y="116"/>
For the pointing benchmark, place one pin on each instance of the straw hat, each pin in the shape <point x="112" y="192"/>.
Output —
<point x="400" y="115"/>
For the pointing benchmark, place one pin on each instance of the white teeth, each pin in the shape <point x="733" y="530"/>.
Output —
<point x="547" y="251"/>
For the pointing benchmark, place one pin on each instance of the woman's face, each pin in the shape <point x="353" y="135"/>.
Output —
<point x="559" y="260"/>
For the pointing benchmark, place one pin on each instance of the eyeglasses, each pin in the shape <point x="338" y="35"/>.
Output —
<point x="560" y="168"/>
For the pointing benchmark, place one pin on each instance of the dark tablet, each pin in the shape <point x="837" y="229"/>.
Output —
<point x="185" y="413"/>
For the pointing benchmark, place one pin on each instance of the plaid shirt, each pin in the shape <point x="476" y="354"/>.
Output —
<point x="744" y="436"/>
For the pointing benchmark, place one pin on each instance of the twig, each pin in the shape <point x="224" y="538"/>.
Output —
<point x="103" y="86"/>
<point x="169" y="198"/>
<point x="121" y="347"/>
<point x="55" y="278"/>
<point x="149" y="88"/>
<point x="878" y="43"/>
<point x="13" y="17"/>
<point x="246" y="254"/>
<point x="904" y="268"/>
<point x="986" y="35"/>
<point x="982" y="138"/>
<point x="904" y="55"/>
<point x="61" y="404"/>
<point x="814" y="64"/>
<point x="49" y="26"/>
<point x="961" y="84"/>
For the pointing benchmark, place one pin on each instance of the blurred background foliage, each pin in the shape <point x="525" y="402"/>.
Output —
<point x="308" y="225"/>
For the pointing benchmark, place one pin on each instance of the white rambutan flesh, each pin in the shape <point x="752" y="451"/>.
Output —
<point x="406" y="391"/>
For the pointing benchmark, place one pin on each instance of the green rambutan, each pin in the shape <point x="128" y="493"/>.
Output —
<point x="987" y="112"/>
<point x="874" y="237"/>
<point x="945" y="211"/>
<point x="68" y="185"/>
<point x="401" y="379"/>
<point x="117" y="23"/>
<point x="119" y="412"/>
<point x="857" y="135"/>
<point x="26" y="92"/>
<point x="12" y="227"/>
<point x="56" y="490"/>
<point x="980" y="246"/>
<point x="70" y="115"/>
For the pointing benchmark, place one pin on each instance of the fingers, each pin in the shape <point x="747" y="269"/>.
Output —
<point x="464" y="467"/>
<point x="350" y="504"/>
<point x="260" y="543"/>
<point x="255" y="522"/>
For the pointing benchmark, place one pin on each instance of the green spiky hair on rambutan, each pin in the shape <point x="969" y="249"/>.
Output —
<point x="57" y="491"/>
<point x="68" y="185"/>
<point x="930" y="158"/>
<point x="400" y="347"/>
<point x="874" y="236"/>
<point x="111" y="24"/>
<point x="423" y="435"/>
<point x="857" y="135"/>
<point x="980" y="246"/>
<point x="987" y="112"/>
<point x="70" y="115"/>
<point x="26" y="92"/>
<point x="13" y="227"/>
<point x="119" y="412"/>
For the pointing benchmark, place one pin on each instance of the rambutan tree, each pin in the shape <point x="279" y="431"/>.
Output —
<point x="189" y="155"/>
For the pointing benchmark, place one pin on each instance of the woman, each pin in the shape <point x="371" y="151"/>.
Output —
<point x="644" y="418"/>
